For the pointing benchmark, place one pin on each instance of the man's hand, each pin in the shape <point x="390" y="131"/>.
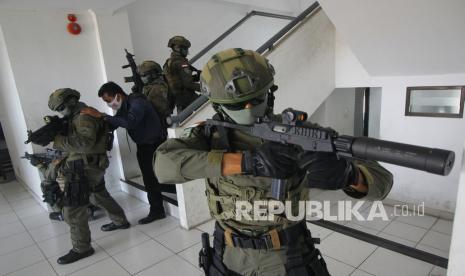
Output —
<point x="35" y="161"/>
<point x="271" y="160"/>
<point x="327" y="171"/>
<point x="91" y="112"/>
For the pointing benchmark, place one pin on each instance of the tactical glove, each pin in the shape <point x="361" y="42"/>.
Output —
<point x="35" y="161"/>
<point x="327" y="171"/>
<point x="271" y="160"/>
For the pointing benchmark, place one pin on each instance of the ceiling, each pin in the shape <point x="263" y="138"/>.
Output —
<point x="73" y="5"/>
<point x="398" y="37"/>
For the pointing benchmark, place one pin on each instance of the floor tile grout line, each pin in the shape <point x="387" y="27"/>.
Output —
<point x="130" y="248"/>
<point x="367" y="258"/>
<point x="17" y="249"/>
<point x="336" y="259"/>
<point x="24" y="267"/>
<point x="35" y="243"/>
<point x="428" y="230"/>
<point x="436" y="218"/>
<point x="429" y="273"/>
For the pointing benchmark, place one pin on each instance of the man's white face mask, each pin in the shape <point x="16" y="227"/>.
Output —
<point x="116" y="103"/>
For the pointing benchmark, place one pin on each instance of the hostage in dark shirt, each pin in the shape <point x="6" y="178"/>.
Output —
<point x="138" y="116"/>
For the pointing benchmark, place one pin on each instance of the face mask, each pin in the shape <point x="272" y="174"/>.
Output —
<point x="65" y="112"/>
<point x="115" y="104"/>
<point x="247" y="116"/>
<point x="182" y="51"/>
<point x="145" y="79"/>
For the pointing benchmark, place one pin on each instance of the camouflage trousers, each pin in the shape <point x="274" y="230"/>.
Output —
<point x="299" y="257"/>
<point x="77" y="217"/>
<point x="51" y="174"/>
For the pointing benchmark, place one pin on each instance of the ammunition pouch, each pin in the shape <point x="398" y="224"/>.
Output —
<point x="210" y="260"/>
<point x="98" y="188"/>
<point x="110" y="139"/>
<point x="77" y="190"/>
<point x="299" y="262"/>
<point x="51" y="193"/>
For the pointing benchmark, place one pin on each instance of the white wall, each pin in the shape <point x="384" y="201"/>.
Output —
<point x="13" y="121"/>
<point x="438" y="192"/>
<point x="399" y="38"/>
<point x="44" y="57"/>
<point x="305" y="66"/>
<point x="374" y="112"/>
<point x="113" y="36"/>
<point x="153" y="23"/>
<point x="337" y="111"/>
<point x="457" y="247"/>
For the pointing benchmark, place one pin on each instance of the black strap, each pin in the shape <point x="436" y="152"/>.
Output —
<point x="264" y="242"/>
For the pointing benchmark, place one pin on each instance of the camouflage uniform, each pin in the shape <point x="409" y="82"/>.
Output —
<point x="84" y="170"/>
<point x="199" y="154"/>
<point x="50" y="173"/>
<point x="178" y="74"/>
<point x="156" y="89"/>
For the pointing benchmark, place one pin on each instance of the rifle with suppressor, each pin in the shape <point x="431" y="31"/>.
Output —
<point x="135" y="78"/>
<point x="292" y="131"/>
<point x="44" y="158"/>
<point x="44" y="135"/>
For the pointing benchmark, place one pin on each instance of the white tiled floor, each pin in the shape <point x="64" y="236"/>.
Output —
<point x="30" y="243"/>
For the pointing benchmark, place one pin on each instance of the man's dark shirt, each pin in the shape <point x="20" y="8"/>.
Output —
<point x="139" y="117"/>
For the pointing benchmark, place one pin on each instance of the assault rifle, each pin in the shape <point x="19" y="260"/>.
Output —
<point x="44" y="135"/>
<point x="44" y="158"/>
<point x="292" y="131"/>
<point x="135" y="78"/>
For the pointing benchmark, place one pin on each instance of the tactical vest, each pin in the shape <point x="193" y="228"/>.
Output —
<point x="157" y="93"/>
<point x="173" y="78"/>
<point x="100" y="146"/>
<point x="223" y="192"/>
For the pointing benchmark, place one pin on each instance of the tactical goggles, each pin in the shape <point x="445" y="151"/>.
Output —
<point x="61" y="107"/>
<point x="239" y="106"/>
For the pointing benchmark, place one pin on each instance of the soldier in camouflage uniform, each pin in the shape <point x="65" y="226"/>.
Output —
<point x="178" y="73"/>
<point x="83" y="169"/>
<point x="156" y="90"/>
<point x="239" y="167"/>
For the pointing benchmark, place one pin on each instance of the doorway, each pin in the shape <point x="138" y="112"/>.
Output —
<point x="6" y="166"/>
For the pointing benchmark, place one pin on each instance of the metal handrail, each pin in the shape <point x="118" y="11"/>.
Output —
<point x="270" y="43"/>
<point x="233" y="28"/>
<point x="202" y="100"/>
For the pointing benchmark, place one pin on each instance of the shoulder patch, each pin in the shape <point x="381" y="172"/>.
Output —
<point x="187" y="132"/>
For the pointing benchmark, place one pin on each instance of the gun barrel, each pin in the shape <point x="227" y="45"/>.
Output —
<point x="437" y="161"/>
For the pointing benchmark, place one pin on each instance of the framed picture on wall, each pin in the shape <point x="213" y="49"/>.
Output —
<point x="435" y="101"/>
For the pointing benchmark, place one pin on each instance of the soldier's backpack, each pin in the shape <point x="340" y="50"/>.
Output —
<point x="159" y="96"/>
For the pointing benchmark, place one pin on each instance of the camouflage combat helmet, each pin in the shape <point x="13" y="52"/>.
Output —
<point x="236" y="75"/>
<point x="149" y="66"/>
<point x="179" y="41"/>
<point x="61" y="96"/>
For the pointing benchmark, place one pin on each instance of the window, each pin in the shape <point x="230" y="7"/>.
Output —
<point x="435" y="101"/>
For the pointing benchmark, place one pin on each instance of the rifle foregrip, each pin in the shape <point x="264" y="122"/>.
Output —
<point x="437" y="161"/>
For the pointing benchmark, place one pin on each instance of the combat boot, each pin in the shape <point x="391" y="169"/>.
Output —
<point x="111" y="226"/>
<point x="74" y="256"/>
<point x="58" y="216"/>
<point x="152" y="217"/>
